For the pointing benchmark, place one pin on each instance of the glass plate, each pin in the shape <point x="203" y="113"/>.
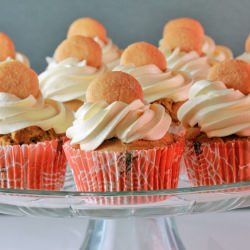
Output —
<point x="183" y="200"/>
<point x="127" y="217"/>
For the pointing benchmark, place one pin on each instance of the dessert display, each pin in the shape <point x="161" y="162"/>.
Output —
<point x="7" y="50"/>
<point x="32" y="132"/>
<point x="147" y="64"/>
<point x="120" y="118"/>
<point x="76" y="62"/>
<point x="120" y="143"/>
<point x="90" y="27"/>
<point x="187" y="48"/>
<point x="246" y="55"/>
<point x="217" y="119"/>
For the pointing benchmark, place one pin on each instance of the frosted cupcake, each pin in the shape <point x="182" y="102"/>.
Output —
<point x="148" y="65"/>
<point x="32" y="131"/>
<point x="246" y="55"/>
<point x="90" y="27"/>
<point x="217" y="118"/>
<point x="119" y="143"/>
<point x="187" y="48"/>
<point x="7" y="50"/>
<point x="76" y="62"/>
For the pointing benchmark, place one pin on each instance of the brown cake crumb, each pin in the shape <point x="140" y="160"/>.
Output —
<point x="171" y="107"/>
<point x="116" y="145"/>
<point x="28" y="135"/>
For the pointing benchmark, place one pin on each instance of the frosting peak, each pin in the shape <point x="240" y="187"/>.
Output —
<point x="190" y="62"/>
<point x="218" y="111"/>
<point x="16" y="114"/>
<point x="110" y="53"/>
<point x="157" y="84"/>
<point x="67" y="80"/>
<point x="96" y="122"/>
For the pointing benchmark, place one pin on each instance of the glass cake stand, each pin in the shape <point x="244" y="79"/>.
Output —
<point x="122" y="220"/>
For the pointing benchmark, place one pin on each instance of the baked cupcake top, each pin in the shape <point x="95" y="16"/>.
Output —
<point x="21" y="104"/>
<point x="246" y="55"/>
<point x="147" y="64"/>
<point x="117" y="113"/>
<point x="77" y="61"/>
<point x="7" y="50"/>
<point x="220" y="108"/>
<point x="90" y="27"/>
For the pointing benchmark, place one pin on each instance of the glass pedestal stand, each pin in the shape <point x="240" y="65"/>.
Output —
<point x="133" y="233"/>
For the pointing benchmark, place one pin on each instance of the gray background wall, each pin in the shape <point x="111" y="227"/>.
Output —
<point x="38" y="26"/>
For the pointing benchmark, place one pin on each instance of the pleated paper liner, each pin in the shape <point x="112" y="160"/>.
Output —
<point x="40" y="166"/>
<point x="137" y="170"/>
<point x="215" y="163"/>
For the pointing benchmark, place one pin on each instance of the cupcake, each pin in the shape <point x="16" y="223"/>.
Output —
<point x="217" y="119"/>
<point x="147" y="64"/>
<point x="119" y="143"/>
<point x="90" y="27"/>
<point x="187" y="48"/>
<point x="7" y="50"/>
<point x="76" y="62"/>
<point x="32" y="132"/>
<point x="246" y="55"/>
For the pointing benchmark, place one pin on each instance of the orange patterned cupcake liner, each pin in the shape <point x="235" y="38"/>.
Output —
<point x="151" y="169"/>
<point x="214" y="163"/>
<point x="40" y="166"/>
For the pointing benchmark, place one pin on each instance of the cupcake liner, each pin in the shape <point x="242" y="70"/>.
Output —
<point x="151" y="169"/>
<point x="214" y="163"/>
<point x="39" y="166"/>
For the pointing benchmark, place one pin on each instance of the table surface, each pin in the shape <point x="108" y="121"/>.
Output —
<point x="220" y="231"/>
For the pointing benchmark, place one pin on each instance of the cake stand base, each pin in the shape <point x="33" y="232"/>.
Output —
<point x="132" y="234"/>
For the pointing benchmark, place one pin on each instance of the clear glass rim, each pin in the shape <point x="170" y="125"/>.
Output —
<point x="183" y="190"/>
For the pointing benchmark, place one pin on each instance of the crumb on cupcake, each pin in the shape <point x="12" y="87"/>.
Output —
<point x="29" y="135"/>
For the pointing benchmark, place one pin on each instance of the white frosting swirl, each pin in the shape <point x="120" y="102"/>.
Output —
<point x="16" y="114"/>
<point x="67" y="80"/>
<point x="208" y="46"/>
<point x="189" y="62"/>
<point x="96" y="122"/>
<point x="215" y="53"/>
<point x="218" y="111"/>
<point x="22" y="58"/>
<point x="244" y="57"/>
<point x="157" y="84"/>
<point x="110" y="53"/>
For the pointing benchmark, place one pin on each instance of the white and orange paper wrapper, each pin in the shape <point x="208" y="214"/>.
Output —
<point x="40" y="166"/>
<point x="136" y="170"/>
<point x="215" y="163"/>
